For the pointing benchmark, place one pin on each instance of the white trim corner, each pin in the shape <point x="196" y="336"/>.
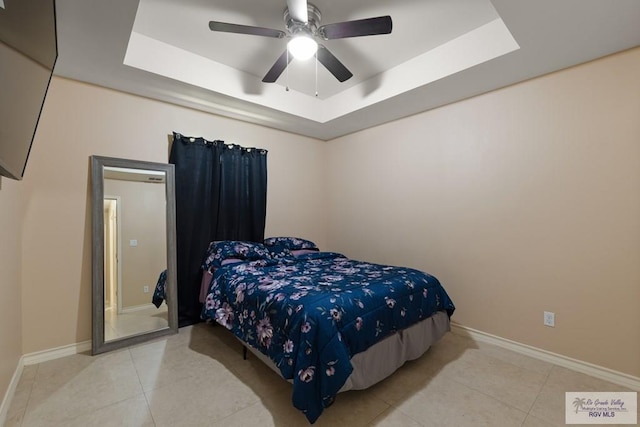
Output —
<point x="11" y="391"/>
<point x="33" y="359"/>
<point x="56" y="353"/>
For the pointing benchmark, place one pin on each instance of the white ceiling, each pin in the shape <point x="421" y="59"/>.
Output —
<point x="440" y="51"/>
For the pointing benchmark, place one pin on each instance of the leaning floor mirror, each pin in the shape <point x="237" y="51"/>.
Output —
<point x="134" y="252"/>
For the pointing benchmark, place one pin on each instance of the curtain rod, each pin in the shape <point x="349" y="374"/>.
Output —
<point x="193" y="139"/>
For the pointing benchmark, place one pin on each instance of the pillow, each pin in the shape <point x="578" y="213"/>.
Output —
<point x="218" y="252"/>
<point x="279" y="251"/>
<point x="291" y="243"/>
<point x="298" y="252"/>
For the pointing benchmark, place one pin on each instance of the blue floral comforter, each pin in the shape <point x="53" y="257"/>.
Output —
<point x="311" y="314"/>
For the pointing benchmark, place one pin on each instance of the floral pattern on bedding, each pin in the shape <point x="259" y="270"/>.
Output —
<point x="159" y="294"/>
<point x="312" y="313"/>
<point x="233" y="249"/>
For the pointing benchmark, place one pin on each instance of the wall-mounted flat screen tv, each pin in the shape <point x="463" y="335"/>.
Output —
<point x="28" y="53"/>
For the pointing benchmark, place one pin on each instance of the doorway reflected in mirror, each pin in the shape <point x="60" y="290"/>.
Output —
<point x="133" y="252"/>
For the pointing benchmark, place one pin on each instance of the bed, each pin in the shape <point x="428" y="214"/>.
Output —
<point x="322" y="321"/>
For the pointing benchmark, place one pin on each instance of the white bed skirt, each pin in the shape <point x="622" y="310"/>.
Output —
<point x="384" y="358"/>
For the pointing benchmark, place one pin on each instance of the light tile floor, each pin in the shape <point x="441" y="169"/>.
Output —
<point x="134" y="322"/>
<point x="198" y="378"/>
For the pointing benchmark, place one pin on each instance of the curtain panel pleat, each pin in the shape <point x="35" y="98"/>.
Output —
<point x="243" y="192"/>
<point x="221" y="194"/>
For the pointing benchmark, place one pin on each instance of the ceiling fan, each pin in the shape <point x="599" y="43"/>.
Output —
<point x="302" y="22"/>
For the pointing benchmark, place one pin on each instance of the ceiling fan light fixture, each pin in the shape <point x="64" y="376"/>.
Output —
<point x="304" y="29"/>
<point x="302" y="47"/>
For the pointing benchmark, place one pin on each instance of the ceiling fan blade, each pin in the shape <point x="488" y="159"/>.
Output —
<point x="277" y="68"/>
<point x="298" y="10"/>
<point x="245" y="29"/>
<point x="332" y="64"/>
<point x="357" y="28"/>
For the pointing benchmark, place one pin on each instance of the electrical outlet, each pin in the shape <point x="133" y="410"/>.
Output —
<point x="549" y="319"/>
<point x="145" y="289"/>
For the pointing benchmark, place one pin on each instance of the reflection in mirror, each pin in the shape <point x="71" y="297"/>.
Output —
<point x="134" y="250"/>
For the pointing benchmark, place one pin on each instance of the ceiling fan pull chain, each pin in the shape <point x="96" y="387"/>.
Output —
<point x="287" y="76"/>
<point x="316" y="55"/>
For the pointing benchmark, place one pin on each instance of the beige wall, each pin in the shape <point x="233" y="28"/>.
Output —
<point x="10" y="272"/>
<point x="79" y="120"/>
<point x="521" y="200"/>
<point x="143" y="219"/>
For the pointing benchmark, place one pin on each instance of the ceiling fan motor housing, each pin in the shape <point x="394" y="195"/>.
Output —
<point x="310" y="27"/>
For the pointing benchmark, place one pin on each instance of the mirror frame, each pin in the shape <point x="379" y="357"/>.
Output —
<point x="98" y="163"/>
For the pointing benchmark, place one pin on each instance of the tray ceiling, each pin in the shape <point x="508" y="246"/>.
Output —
<point x="440" y="51"/>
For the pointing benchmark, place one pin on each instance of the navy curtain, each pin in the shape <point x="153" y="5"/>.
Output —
<point x="221" y="194"/>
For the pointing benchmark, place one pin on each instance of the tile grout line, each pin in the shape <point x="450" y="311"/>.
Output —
<point x="389" y="406"/>
<point x="538" y="395"/>
<point x="490" y="397"/>
<point x="26" y="406"/>
<point x="405" y="414"/>
<point x="516" y="366"/>
<point x="103" y="406"/>
<point x="144" y="393"/>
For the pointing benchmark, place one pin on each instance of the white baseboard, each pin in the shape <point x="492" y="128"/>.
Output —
<point x="135" y="308"/>
<point x="32" y="359"/>
<point x="596" y="371"/>
<point x="55" y="353"/>
<point x="11" y="391"/>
